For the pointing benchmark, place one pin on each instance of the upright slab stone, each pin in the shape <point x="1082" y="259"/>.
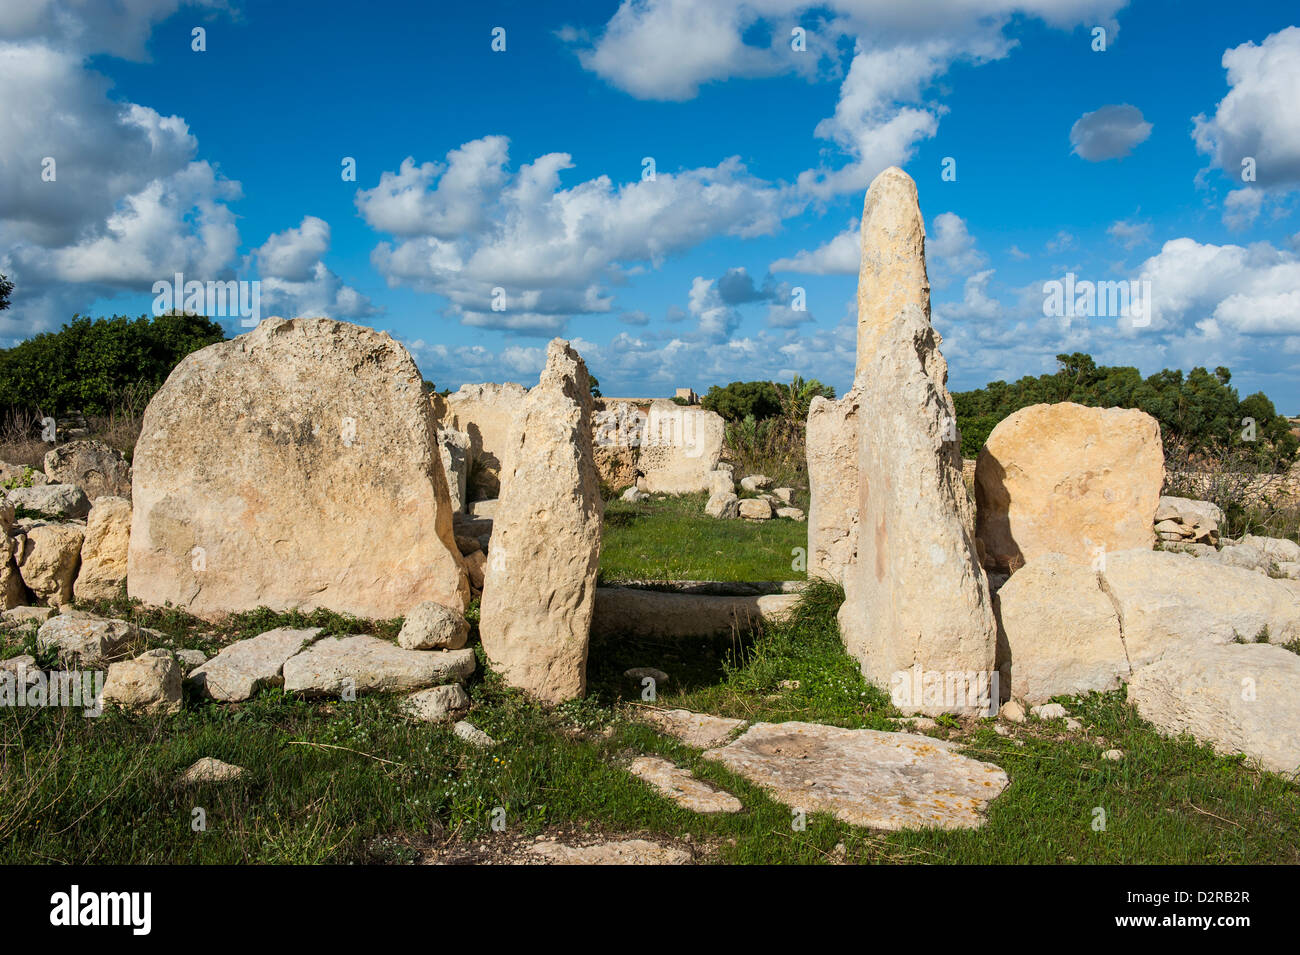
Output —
<point x="1068" y="479"/>
<point x="832" y="452"/>
<point x="454" y="446"/>
<point x="916" y="600"/>
<point x="540" y="585"/>
<point x="295" y="466"/>
<point x="485" y="413"/>
<point x="104" y="551"/>
<point x="680" y="448"/>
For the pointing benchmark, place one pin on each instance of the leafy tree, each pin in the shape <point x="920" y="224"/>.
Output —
<point x="6" y="287"/>
<point x="89" y="365"/>
<point x="744" y="399"/>
<point x="595" y="386"/>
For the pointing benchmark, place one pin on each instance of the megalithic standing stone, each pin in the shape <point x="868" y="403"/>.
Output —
<point x="540" y="585"/>
<point x="917" y="613"/>
<point x="893" y="259"/>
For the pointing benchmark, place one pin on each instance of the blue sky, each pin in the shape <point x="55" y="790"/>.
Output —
<point x="523" y="170"/>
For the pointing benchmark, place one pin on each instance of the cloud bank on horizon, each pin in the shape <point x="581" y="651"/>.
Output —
<point x="675" y="185"/>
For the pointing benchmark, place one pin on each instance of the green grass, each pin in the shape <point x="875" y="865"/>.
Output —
<point x="671" y="539"/>
<point x="102" y="790"/>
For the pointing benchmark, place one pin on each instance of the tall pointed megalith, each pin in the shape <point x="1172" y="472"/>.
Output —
<point x="917" y="613"/>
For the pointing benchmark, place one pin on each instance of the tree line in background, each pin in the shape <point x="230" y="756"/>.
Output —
<point x="94" y="366"/>
<point x="1200" y="413"/>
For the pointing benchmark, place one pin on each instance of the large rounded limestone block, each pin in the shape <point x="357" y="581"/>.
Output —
<point x="296" y="466"/>
<point x="1067" y="479"/>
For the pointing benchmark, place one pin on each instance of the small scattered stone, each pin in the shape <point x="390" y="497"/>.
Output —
<point x="1114" y="755"/>
<point x="436" y="704"/>
<point x="1049" y="711"/>
<point x="755" y="509"/>
<point x="473" y="735"/>
<point x="1073" y="725"/>
<point x="431" y="626"/>
<point x="755" y="482"/>
<point x="83" y="637"/>
<point x="725" y="507"/>
<point x="209" y="770"/>
<point x="1012" y="712"/>
<point x="640" y="673"/>
<point x="21" y="615"/>
<point x="151" y="682"/>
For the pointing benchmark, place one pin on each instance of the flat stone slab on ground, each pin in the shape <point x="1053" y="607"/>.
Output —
<point x="700" y="730"/>
<point x="238" y="671"/>
<point x="865" y="777"/>
<point x="371" y="664"/>
<point x="679" y="785"/>
<point x="618" y="852"/>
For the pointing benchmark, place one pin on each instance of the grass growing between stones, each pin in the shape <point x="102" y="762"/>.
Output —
<point x="338" y="782"/>
<point x="671" y="539"/>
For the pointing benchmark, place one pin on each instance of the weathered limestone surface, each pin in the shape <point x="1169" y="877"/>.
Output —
<point x="680" y="449"/>
<point x="832" y="453"/>
<point x="540" y="586"/>
<point x="1167" y="600"/>
<point x="93" y="466"/>
<point x="151" y="682"/>
<point x="49" y="559"/>
<point x="892" y="279"/>
<point x="616" y="852"/>
<point x="679" y="785"/>
<point x="484" y="412"/>
<point x="437" y="704"/>
<point x="865" y="777"/>
<point x="1238" y="698"/>
<point x="1067" y="479"/>
<point x="364" y="663"/>
<point x="53" y="500"/>
<point x="239" y="670"/>
<point x="209" y="770"/>
<point x="295" y="466"/>
<point x="104" y="550"/>
<point x="1059" y="632"/>
<point x="83" y="638"/>
<point x="431" y="626"/>
<point x="915" y="594"/>
<point x="454" y="447"/>
<point x="13" y="592"/>
<point x="1182" y="519"/>
<point x="700" y="730"/>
